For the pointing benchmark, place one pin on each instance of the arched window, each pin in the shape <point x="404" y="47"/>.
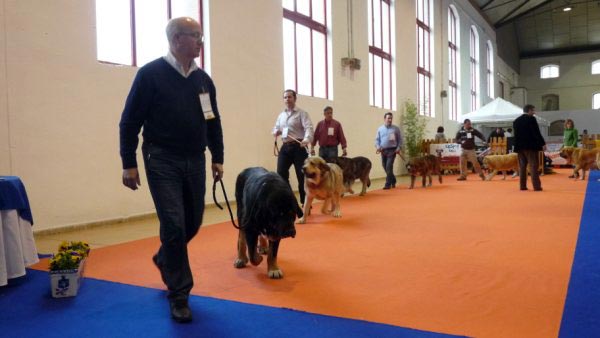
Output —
<point x="490" y="69"/>
<point x="556" y="128"/>
<point x="305" y="47"/>
<point x="474" y="61"/>
<point x="133" y="32"/>
<point x="381" y="76"/>
<point x="596" y="101"/>
<point x="596" y="67"/>
<point x="453" y="34"/>
<point x="549" y="71"/>
<point x="424" y="24"/>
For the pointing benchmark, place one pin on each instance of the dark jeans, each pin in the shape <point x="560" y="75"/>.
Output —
<point x="388" y="156"/>
<point x="292" y="153"/>
<point x="530" y="157"/>
<point x="328" y="152"/>
<point x="177" y="184"/>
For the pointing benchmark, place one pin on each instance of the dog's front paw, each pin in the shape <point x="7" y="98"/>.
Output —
<point x="302" y="220"/>
<point x="263" y="250"/>
<point x="240" y="263"/>
<point x="337" y="213"/>
<point x="275" y="274"/>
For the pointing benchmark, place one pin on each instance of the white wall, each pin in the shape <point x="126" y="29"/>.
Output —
<point x="60" y="108"/>
<point x="574" y="86"/>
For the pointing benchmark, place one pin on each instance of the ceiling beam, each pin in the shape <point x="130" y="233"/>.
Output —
<point x="487" y="19"/>
<point x="520" y="15"/>
<point x="486" y="4"/>
<point x="560" y="51"/>
<point x="499" y="22"/>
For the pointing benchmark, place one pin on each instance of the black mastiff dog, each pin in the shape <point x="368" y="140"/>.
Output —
<point x="354" y="168"/>
<point x="266" y="208"/>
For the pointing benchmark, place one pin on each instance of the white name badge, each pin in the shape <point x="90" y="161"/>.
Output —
<point x="330" y="131"/>
<point x="206" y="106"/>
<point x="284" y="133"/>
<point x="469" y="135"/>
<point x="392" y="137"/>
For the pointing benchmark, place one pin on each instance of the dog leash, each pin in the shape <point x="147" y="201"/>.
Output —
<point x="276" y="149"/>
<point x="214" y="189"/>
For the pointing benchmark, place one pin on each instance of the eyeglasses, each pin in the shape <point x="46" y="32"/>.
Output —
<point x="196" y="35"/>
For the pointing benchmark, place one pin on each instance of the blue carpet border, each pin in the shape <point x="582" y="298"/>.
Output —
<point x="109" y="309"/>
<point x="581" y="315"/>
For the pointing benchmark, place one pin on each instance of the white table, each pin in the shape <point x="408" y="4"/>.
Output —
<point x="17" y="246"/>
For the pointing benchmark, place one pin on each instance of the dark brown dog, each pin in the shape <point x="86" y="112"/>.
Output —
<point x="355" y="168"/>
<point x="426" y="166"/>
<point x="266" y="207"/>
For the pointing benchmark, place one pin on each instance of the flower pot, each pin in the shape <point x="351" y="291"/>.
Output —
<point x="66" y="283"/>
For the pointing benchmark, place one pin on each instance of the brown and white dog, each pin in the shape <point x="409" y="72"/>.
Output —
<point x="426" y="166"/>
<point x="323" y="181"/>
<point x="495" y="163"/>
<point x="584" y="159"/>
<point x="266" y="209"/>
<point x="355" y="168"/>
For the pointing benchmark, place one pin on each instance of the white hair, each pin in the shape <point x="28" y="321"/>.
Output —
<point x="175" y="26"/>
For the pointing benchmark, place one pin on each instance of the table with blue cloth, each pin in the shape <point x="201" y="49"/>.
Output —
<point x="17" y="246"/>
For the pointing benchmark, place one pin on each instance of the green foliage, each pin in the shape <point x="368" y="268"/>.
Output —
<point x="413" y="128"/>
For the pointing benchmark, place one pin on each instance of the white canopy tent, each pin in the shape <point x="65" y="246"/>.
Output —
<point x="499" y="113"/>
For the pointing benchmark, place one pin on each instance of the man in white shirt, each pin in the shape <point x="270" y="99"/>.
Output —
<point x="296" y="130"/>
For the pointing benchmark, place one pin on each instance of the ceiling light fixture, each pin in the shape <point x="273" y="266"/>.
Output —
<point x="568" y="8"/>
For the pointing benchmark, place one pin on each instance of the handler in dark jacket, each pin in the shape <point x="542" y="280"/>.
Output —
<point x="528" y="143"/>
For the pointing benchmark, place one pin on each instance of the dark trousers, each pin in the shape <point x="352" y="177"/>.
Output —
<point x="388" y="156"/>
<point x="328" y="153"/>
<point x="530" y="157"/>
<point x="292" y="153"/>
<point x="177" y="184"/>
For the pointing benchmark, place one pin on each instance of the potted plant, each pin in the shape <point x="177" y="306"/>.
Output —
<point x="413" y="129"/>
<point x="66" y="268"/>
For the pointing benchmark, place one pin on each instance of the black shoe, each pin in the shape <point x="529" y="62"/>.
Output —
<point x="538" y="189"/>
<point x="394" y="185"/>
<point x="386" y="187"/>
<point x="180" y="311"/>
<point x="524" y="189"/>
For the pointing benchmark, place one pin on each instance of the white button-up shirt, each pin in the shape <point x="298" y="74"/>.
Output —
<point x="298" y="122"/>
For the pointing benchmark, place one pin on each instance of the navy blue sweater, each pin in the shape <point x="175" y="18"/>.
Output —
<point x="168" y="106"/>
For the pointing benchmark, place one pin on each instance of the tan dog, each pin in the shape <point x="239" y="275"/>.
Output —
<point x="495" y="163"/>
<point x="584" y="159"/>
<point x="323" y="181"/>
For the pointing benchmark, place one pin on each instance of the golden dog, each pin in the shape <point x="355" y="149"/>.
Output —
<point x="584" y="159"/>
<point x="495" y="163"/>
<point x="323" y="181"/>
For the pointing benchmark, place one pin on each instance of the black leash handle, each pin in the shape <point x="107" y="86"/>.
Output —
<point x="214" y="189"/>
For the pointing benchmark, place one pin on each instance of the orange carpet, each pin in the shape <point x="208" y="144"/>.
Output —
<point x="469" y="258"/>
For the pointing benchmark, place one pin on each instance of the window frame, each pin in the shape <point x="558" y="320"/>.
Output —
<point x="453" y="65"/>
<point x="380" y="54"/>
<point x="550" y="67"/>
<point x="596" y="100"/>
<point x="424" y="74"/>
<point x="474" y="66"/>
<point x="297" y="18"/>
<point x="595" y="69"/>
<point x="133" y="30"/>
<point x="490" y="69"/>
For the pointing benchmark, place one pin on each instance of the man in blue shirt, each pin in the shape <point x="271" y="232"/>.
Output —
<point x="176" y="104"/>
<point x="388" y="143"/>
